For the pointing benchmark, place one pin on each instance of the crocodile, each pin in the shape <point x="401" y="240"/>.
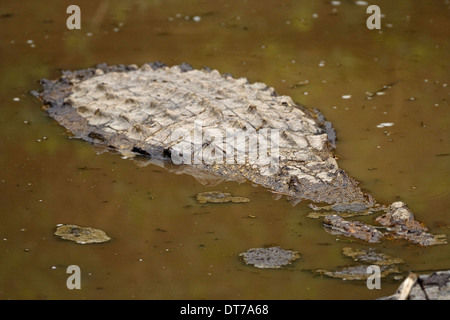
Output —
<point x="209" y="122"/>
<point x="137" y="110"/>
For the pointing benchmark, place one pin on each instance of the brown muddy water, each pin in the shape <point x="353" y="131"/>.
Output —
<point x="166" y="245"/>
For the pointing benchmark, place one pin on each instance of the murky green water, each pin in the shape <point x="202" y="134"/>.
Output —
<point x="167" y="246"/>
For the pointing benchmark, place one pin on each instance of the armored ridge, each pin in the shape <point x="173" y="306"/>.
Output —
<point x="211" y="122"/>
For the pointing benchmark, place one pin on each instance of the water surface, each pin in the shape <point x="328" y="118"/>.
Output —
<point x="166" y="245"/>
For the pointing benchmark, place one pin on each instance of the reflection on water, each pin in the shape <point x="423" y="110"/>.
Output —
<point x="165" y="244"/>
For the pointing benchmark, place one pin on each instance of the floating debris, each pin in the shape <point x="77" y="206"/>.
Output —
<point x="344" y="210"/>
<point x="371" y="256"/>
<point x="315" y="215"/>
<point x="266" y="258"/>
<point x="359" y="272"/>
<point x="385" y="124"/>
<point x="400" y="222"/>
<point x="219" y="197"/>
<point x="81" y="235"/>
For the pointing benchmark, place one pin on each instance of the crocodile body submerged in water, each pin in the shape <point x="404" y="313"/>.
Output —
<point x="210" y="122"/>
